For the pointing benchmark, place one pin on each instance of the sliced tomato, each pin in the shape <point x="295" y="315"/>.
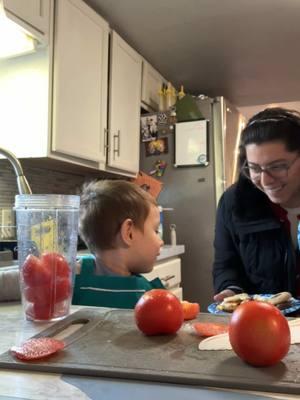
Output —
<point x="37" y="348"/>
<point x="57" y="264"/>
<point x="42" y="312"/>
<point x="34" y="272"/>
<point x="190" y="310"/>
<point x="62" y="290"/>
<point x="206" y="329"/>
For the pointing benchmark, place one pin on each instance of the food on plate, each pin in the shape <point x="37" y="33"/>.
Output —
<point x="280" y="300"/>
<point x="207" y="329"/>
<point x="157" y="312"/>
<point x="47" y="282"/>
<point x="190" y="310"/>
<point x="259" y="334"/>
<point x="229" y="304"/>
<point x="37" y="348"/>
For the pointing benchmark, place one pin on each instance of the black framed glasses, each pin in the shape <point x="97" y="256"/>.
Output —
<point x="277" y="170"/>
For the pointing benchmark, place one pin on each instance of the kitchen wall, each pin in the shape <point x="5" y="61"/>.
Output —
<point x="249" y="111"/>
<point x="43" y="179"/>
<point x="40" y="180"/>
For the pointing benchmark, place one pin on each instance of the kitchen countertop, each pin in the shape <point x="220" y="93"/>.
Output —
<point x="34" y="385"/>
<point x="167" y="251"/>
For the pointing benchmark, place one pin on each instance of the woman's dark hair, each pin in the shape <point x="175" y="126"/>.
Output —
<point x="271" y="125"/>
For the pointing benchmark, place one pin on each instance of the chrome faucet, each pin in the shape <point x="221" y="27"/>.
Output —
<point x="23" y="185"/>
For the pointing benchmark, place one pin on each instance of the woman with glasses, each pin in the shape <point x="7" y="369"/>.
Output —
<point x="256" y="244"/>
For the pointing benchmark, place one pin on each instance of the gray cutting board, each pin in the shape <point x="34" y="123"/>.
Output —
<point x="110" y="345"/>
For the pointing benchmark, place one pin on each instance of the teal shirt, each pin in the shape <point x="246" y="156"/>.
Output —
<point x="109" y="291"/>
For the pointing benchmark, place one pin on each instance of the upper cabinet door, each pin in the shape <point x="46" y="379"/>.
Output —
<point x="124" y="106"/>
<point x="80" y="77"/>
<point x="30" y="13"/>
<point x="151" y="85"/>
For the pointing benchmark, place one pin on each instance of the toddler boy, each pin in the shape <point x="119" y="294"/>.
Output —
<point x="119" y="223"/>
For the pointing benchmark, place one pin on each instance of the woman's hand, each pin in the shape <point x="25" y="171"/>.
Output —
<point x="219" y="297"/>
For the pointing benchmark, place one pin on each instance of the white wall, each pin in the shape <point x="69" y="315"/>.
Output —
<point x="251" y="110"/>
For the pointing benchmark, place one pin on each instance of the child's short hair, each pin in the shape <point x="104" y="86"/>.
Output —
<point x="104" y="207"/>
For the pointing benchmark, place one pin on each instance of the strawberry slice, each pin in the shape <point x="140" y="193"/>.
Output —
<point x="207" y="329"/>
<point x="37" y="348"/>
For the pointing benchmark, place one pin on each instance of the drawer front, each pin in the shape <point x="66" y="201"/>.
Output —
<point x="169" y="272"/>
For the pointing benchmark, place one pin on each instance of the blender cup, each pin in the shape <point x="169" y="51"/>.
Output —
<point x="47" y="230"/>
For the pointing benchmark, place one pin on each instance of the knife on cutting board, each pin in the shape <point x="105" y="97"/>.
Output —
<point x="221" y="342"/>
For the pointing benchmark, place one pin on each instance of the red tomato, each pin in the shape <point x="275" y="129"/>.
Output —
<point x="40" y="311"/>
<point x="190" y="310"/>
<point x="207" y="329"/>
<point x="158" y="311"/>
<point x="34" y="271"/>
<point x="62" y="290"/>
<point x="57" y="264"/>
<point x="259" y="334"/>
<point x="55" y="292"/>
<point x="38" y="294"/>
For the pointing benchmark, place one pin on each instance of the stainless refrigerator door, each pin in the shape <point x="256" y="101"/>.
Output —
<point x="191" y="192"/>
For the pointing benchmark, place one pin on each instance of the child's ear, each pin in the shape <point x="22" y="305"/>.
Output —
<point x="126" y="231"/>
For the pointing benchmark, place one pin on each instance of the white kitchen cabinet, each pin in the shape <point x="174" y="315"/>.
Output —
<point x="152" y="82"/>
<point x="169" y="272"/>
<point x="33" y="15"/>
<point x="55" y="101"/>
<point x="124" y="106"/>
<point x="80" y="76"/>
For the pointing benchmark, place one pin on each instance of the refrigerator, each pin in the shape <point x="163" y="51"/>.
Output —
<point x="193" y="193"/>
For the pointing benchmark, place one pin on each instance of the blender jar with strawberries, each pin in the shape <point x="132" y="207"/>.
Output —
<point x="47" y="231"/>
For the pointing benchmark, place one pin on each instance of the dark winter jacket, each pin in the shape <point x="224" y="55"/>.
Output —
<point x="253" y="250"/>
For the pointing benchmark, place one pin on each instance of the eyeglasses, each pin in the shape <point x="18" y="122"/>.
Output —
<point x="276" y="171"/>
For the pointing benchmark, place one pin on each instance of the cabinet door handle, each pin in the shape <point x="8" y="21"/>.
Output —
<point x="117" y="149"/>
<point x="105" y="145"/>
<point x="166" y="279"/>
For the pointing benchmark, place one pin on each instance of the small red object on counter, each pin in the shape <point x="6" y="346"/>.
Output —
<point x="207" y="329"/>
<point x="34" y="349"/>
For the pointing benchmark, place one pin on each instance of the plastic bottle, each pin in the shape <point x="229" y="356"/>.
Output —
<point x="173" y="238"/>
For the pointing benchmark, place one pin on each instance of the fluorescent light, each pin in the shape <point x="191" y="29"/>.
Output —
<point x="14" y="39"/>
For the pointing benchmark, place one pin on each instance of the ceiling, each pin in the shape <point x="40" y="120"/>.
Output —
<point x="245" y="50"/>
